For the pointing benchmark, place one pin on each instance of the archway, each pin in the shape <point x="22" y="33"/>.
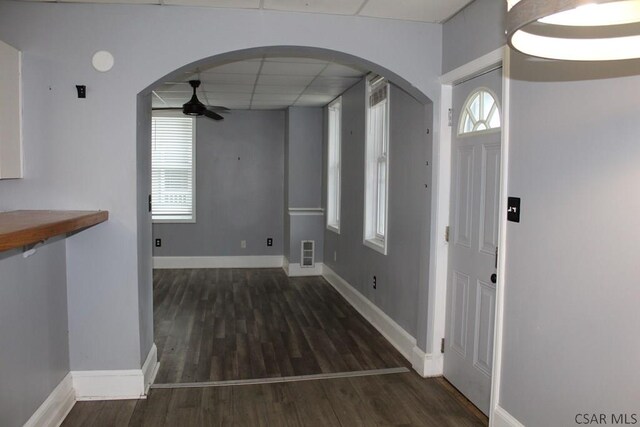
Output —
<point x="144" y="224"/>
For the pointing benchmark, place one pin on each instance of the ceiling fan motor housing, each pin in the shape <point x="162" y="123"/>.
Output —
<point x="194" y="107"/>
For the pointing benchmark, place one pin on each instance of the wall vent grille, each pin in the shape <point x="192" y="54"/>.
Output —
<point x="307" y="255"/>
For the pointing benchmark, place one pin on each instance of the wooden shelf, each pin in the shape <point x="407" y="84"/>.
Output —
<point x="22" y="228"/>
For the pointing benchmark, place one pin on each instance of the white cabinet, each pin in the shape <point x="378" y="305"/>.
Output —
<point x="10" y="113"/>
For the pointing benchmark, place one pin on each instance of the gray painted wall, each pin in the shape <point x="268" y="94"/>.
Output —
<point x="82" y="153"/>
<point x="571" y="309"/>
<point x="239" y="189"/>
<point x="305" y="157"/>
<point x="398" y="273"/>
<point x="34" y="339"/>
<point x="305" y="135"/>
<point x="475" y="30"/>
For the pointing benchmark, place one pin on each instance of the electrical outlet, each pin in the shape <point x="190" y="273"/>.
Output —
<point x="375" y="282"/>
<point x="269" y="241"/>
<point x="243" y="244"/>
<point x="158" y="243"/>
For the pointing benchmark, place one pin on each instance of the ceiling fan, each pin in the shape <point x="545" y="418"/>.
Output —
<point x="196" y="108"/>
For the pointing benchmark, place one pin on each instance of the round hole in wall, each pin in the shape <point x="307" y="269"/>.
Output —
<point x="102" y="61"/>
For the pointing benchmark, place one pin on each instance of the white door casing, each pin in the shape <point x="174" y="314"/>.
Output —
<point x="474" y="223"/>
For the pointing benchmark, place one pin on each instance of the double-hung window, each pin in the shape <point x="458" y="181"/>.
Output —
<point x="333" y="164"/>
<point x="173" y="169"/>
<point x="377" y="164"/>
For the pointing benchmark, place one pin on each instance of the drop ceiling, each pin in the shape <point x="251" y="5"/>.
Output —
<point x="412" y="10"/>
<point x="266" y="83"/>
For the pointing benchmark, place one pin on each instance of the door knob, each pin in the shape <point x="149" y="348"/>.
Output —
<point x="494" y="278"/>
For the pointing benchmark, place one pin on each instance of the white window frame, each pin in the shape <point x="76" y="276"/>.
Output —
<point x="334" y="165"/>
<point x="466" y="112"/>
<point x="376" y="155"/>
<point x="192" y="218"/>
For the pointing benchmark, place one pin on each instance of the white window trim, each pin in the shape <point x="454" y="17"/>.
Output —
<point x="335" y="226"/>
<point x="376" y="242"/>
<point x="191" y="220"/>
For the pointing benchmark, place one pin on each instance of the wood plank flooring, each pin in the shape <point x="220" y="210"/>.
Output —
<point x="386" y="400"/>
<point x="229" y="324"/>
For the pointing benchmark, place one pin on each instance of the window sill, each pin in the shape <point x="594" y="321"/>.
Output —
<point x="174" y="221"/>
<point x="333" y="228"/>
<point x="377" y="245"/>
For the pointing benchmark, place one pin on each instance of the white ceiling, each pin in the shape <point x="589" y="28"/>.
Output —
<point x="412" y="10"/>
<point x="263" y="84"/>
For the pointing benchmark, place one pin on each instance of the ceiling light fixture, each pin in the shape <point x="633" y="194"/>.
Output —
<point x="575" y="30"/>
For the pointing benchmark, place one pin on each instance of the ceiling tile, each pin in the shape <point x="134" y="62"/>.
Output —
<point x="243" y="4"/>
<point x="263" y="97"/>
<point x="337" y="70"/>
<point x="229" y="79"/>
<point x="241" y="67"/>
<point x="285" y="80"/>
<point x="413" y="10"/>
<point x="230" y="97"/>
<point x="333" y="83"/>
<point x="341" y="7"/>
<point x="291" y="69"/>
<point x="324" y="91"/>
<point x="217" y="88"/>
<point x="288" y="90"/>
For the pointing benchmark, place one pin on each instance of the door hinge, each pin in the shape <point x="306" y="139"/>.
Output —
<point x="442" y="346"/>
<point x="450" y="117"/>
<point x="446" y="233"/>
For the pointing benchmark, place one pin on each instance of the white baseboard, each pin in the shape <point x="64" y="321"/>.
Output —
<point x="427" y="364"/>
<point x="56" y="407"/>
<point x="257" y="261"/>
<point x="285" y="265"/>
<point x="109" y="385"/>
<point x="501" y="418"/>
<point x="150" y="368"/>
<point x="393" y="332"/>
<point x="116" y="384"/>
<point x="295" y="270"/>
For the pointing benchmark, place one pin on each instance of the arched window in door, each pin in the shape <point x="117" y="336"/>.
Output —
<point x="480" y="113"/>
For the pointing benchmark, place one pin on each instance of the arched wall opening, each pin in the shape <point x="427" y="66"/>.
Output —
<point x="81" y="153"/>
<point x="415" y="297"/>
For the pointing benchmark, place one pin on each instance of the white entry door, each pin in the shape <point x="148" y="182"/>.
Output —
<point x="473" y="236"/>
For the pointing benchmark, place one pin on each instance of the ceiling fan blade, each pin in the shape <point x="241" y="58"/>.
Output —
<point x="167" y="108"/>
<point x="218" y="108"/>
<point x="212" y="115"/>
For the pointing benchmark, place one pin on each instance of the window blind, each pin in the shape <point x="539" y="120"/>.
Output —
<point x="172" y="164"/>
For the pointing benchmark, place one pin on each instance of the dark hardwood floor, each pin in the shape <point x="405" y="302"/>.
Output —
<point x="234" y="324"/>
<point x="230" y="324"/>
<point x="402" y="399"/>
